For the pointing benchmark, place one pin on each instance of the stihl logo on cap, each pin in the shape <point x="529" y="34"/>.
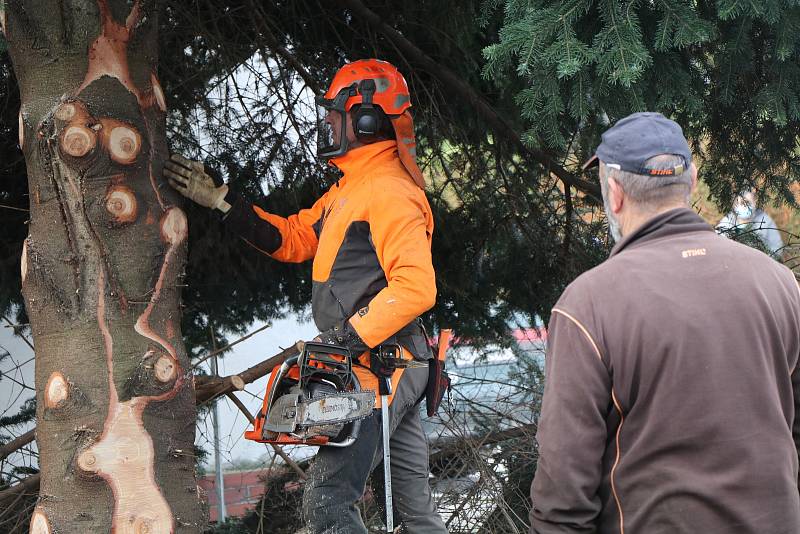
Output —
<point x="666" y="172"/>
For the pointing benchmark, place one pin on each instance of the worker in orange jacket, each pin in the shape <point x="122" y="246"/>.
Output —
<point x="370" y="238"/>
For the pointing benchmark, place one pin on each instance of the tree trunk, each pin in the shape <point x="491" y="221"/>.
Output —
<point x="115" y="405"/>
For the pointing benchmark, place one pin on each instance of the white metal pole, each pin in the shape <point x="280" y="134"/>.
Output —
<point x="220" y="480"/>
<point x="387" y="462"/>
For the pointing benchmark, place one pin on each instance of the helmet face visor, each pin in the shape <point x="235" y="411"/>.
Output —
<point x="331" y="127"/>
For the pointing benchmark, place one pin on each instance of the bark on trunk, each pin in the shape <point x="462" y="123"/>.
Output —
<point x="100" y="267"/>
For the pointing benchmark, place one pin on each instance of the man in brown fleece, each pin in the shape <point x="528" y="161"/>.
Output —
<point x="671" y="391"/>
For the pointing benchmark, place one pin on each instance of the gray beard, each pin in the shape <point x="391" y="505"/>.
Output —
<point x="613" y="223"/>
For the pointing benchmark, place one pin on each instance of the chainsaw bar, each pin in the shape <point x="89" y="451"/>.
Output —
<point x="294" y="410"/>
<point x="336" y="409"/>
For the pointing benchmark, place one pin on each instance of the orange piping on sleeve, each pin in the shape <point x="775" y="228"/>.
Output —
<point x="618" y="408"/>
<point x="616" y="463"/>
<point x="583" y="329"/>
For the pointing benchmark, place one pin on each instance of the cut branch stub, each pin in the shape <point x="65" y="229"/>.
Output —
<point x="125" y="144"/>
<point x="74" y="112"/>
<point x="121" y="140"/>
<point x="56" y="391"/>
<point x="21" y="129"/>
<point x="237" y="382"/>
<point x="39" y="523"/>
<point x="144" y="525"/>
<point x="155" y="375"/>
<point x="174" y="227"/>
<point x="121" y="204"/>
<point x="65" y="111"/>
<point x="165" y="368"/>
<point x="23" y="263"/>
<point x="77" y="141"/>
<point x="87" y="461"/>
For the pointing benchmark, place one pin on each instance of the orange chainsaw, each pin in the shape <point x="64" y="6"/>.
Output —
<point x="313" y="399"/>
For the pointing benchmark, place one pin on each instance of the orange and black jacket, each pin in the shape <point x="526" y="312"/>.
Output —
<point x="370" y="238"/>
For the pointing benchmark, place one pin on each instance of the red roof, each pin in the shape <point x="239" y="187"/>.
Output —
<point x="529" y="334"/>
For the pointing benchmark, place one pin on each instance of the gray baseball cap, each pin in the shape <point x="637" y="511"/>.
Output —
<point x="638" y="137"/>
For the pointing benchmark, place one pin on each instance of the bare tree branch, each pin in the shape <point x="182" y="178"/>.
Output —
<point x="208" y="388"/>
<point x="29" y="486"/>
<point x="448" y="446"/>
<point x="229" y="345"/>
<point x="16" y="443"/>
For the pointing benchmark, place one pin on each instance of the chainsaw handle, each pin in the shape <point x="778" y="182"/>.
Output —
<point x="355" y="429"/>
<point x="349" y="440"/>
<point x="287" y="363"/>
<point x="351" y="429"/>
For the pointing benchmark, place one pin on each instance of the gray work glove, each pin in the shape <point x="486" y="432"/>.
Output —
<point x="191" y="180"/>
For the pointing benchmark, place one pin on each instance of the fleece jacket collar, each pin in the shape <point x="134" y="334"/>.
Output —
<point x="672" y="222"/>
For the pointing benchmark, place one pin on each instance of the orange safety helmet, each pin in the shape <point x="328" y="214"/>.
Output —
<point x="391" y="89"/>
<point x="370" y="83"/>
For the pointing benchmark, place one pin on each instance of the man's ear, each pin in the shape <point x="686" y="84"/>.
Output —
<point x="616" y="196"/>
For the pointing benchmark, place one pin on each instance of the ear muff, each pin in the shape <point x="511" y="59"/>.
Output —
<point x="367" y="120"/>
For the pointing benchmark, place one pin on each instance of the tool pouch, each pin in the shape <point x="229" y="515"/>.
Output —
<point x="438" y="384"/>
<point x="438" y="379"/>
